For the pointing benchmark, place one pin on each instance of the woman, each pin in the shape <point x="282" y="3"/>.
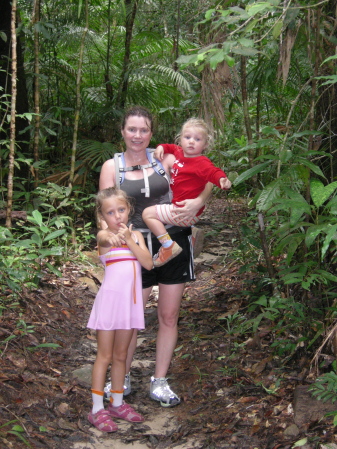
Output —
<point x="142" y="180"/>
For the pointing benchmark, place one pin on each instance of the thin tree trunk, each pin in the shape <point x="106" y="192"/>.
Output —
<point x="37" y="120"/>
<point x="175" y="66"/>
<point x="265" y="248"/>
<point x="78" y="98"/>
<point x="131" y="10"/>
<point x="12" y="124"/>
<point x="245" y="107"/>
<point x="108" y="85"/>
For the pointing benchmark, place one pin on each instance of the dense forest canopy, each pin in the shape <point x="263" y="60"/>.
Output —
<point x="262" y="74"/>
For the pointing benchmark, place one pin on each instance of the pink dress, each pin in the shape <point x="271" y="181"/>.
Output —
<point x="119" y="303"/>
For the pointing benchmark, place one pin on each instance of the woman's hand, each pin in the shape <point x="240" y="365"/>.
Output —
<point x="188" y="208"/>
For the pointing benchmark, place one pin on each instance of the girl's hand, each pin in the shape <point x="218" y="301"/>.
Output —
<point x="188" y="208"/>
<point x="225" y="183"/>
<point x="124" y="232"/>
<point x="106" y="239"/>
<point x="159" y="153"/>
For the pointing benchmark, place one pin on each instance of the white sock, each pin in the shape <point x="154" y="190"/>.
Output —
<point x="97" y="402"/>
<point x="116" y="399"/>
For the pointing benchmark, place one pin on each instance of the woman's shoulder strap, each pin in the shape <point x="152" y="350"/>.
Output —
<point x="120" y="168"/>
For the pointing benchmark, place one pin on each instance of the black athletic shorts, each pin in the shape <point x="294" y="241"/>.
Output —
<point x="178" y="270"/>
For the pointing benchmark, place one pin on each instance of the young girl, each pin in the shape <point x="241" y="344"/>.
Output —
<point x="118" y="307"/>
<point x="190" y="173"/>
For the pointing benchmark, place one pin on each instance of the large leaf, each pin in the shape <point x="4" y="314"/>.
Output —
<point x="331" y="235"/>
<point x="320" y="193"/>
<point x="250" y="173"/>
<point x="268" y="196"/>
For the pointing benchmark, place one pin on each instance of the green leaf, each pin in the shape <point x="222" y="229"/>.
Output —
<point x="37" y="217"/>
<point x="300" y="443"/>
<point x="54" y="269"/>
<point x="209" y="13"/>
<point x="246" y="42"/>
<point x="244" y="51"/>
<point x="54" y="235"/>
<point x="331" y="235"/>
<point x="251" y="26"/>
<point x="277" y="29"/>
<point x="319" y="192"/>
<point x="257" y="7"/>
<point x="216" y="59"/>
<point x="312" y="233"/>
<point x="312" y="167"/>
<point x="250" y="173"/>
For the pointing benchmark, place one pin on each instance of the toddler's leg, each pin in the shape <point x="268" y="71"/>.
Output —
<point x="152" y="222"/>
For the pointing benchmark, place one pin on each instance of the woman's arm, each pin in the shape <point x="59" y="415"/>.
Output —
<point x="107" y="177"/>
<point x="189" y="208"/>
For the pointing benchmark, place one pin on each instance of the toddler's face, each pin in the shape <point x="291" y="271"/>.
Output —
<point x="193" y="141"/>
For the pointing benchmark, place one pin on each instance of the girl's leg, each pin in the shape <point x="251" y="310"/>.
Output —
<point x="116" y="408"/>
<point x="120" y="349"/>
<point x="168" y="313"/>
<point x="98" y="416"/>
<point x="105" y="343"/>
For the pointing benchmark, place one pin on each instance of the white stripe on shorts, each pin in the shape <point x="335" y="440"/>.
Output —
<point x="165" y="215"/>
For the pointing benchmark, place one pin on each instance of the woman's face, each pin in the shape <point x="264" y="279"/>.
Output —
<point x="136" y="133"/>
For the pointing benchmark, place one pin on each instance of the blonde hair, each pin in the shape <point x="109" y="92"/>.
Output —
<point x="113" y="192"/>
<point x="200" y="124"/>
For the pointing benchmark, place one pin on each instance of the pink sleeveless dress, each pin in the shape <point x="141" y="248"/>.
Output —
<point x="119" y="303"/>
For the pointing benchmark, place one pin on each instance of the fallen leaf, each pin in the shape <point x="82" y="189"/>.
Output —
<point x="17" y="360"/>
<point x="248" y="399"/>
<point x="63" y="408"/>
<point x="66" y="313"/>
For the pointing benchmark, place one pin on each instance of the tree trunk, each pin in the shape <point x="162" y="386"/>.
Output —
<point x="245" y="107"/>
<point x="131" y="10"/>
<point x="108" y="85"/>
<point x="78" y="99"/>
<point x="36" y="19"/>
<point x="5" y="80"/>
<point x="12" y="124"/>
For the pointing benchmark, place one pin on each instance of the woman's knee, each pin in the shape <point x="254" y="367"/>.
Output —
<point x="168" y="319"/>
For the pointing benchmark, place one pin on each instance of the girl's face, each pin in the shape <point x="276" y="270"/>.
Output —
<point x="115" y="211"/>
<point x="136" y="133"/>
<point x="193" y="141"/>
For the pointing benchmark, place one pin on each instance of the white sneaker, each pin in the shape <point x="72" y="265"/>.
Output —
<point x="127" y="388"/>
<point x="161" y="391"/>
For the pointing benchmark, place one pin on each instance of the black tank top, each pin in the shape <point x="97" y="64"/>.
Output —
<point x="159" y="194"/>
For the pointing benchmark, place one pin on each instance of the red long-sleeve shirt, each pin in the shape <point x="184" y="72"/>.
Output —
<point x="189" y="175"/>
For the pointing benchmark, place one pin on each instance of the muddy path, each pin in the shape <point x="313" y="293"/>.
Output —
<point x="235" y="393"/>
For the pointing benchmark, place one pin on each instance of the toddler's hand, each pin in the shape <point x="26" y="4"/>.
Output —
<point x="159" y="153"/>
<point x="225" y="183"/>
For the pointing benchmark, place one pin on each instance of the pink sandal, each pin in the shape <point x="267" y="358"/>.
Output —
<point x="102" y="421"/>
<point x="125" y="412"/>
